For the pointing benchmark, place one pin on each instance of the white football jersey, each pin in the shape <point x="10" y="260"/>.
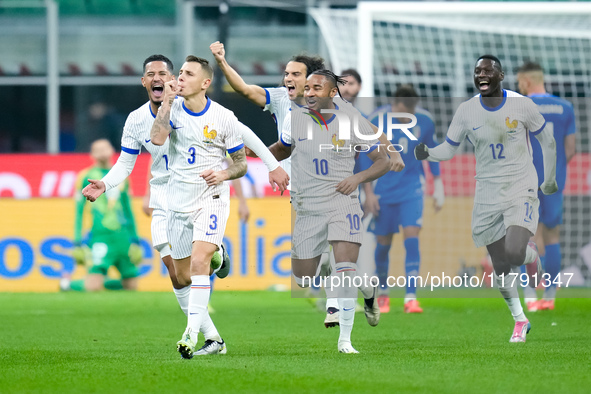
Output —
<point x="199" y="142"/>
<point x="279" y="104"/>
<point x="501" y="138"/>
<point x="136" y="133"/>
<point x="321" y="162"/>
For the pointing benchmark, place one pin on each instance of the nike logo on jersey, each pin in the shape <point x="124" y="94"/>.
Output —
<point x="302" y="139"/>
<point x="193" y="313"/>
<point x="476" y="128"/>
<point x="176" y="128"/>
<point x="210" y="233"/>
<point x="147" y="141"/>
<point x="348" y="310"/>
<point x="353" y="233"/>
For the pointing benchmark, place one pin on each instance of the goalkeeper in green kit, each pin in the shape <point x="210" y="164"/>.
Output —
<point x="113" y="239"/>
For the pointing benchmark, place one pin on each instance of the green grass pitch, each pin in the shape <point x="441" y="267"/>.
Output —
<point x="125" y="342"/>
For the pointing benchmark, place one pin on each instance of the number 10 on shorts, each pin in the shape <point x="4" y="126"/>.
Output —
<point x="354" y="223"/>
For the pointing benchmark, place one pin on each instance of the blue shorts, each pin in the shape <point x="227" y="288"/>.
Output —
<point x="392" y="216"/>
<point x="551" y="209"/>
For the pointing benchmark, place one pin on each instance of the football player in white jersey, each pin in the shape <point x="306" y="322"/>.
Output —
<point x="198" y="198"/>
<point x="327" y="207"/>
<point x="499" y="123"/>
<point x="278" y="101"/>
<point x="158" y="69"/>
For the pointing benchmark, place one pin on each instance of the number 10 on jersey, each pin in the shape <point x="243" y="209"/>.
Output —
<point x="321" y="166"/>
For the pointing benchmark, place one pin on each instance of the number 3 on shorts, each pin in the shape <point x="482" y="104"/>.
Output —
<point x="214" y="222"/>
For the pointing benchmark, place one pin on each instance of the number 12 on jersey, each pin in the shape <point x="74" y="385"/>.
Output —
<point x="499" y="148"/>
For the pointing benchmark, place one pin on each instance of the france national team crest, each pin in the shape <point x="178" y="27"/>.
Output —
<point x="209" y="135"/>
<point x="337" y="143"/>
<point x="512" y="127"/>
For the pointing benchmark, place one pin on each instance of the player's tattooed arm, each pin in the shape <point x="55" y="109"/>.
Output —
<point x="235" y="170"/>
<point x="161" y="127"/>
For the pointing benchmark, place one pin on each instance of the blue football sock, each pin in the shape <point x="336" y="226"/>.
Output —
<point x="553" y="261"/>
<point x="412" y="263"/>
<point x="382" y="263"/>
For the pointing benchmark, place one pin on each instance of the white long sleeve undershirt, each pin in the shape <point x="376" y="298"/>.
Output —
<point x="257" y="146"/>
<point x="442" y="152"/>
<point x="120" y="170"/>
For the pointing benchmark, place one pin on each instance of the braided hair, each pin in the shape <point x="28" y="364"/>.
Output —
<point x="334" y="79"/>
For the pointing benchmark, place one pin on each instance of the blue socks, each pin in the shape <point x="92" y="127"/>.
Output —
<point x="382" y="263"/>
<point x="553" y="261"/>
<point x="412" y="263"/>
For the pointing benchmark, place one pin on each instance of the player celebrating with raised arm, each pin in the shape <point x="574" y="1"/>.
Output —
<point x="499" y="123"/>
<point x="278" y="100"/>
<point x="326" y="204"/>
<point x="560" y="119"/>
<point x="398" y="197"/>
<point x="198" y="198"/>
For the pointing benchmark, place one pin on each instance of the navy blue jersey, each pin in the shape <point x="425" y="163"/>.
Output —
<point x="560" y="118"/>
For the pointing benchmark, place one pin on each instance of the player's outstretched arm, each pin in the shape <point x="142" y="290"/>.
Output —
<point x="254" y="93"/>
<point x="114" y="177"/>
<point x="380" y="166"/>
<point x="161" y="127"/>
<point x="235" y="170"/>
<point x="93" y="190"/>
<point x="441" y="152"/>
<point x="548" y="145"/>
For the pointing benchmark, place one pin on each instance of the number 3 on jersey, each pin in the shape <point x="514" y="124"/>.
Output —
<point x="191" y="159"/>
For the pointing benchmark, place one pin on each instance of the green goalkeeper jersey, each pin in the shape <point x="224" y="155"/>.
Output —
<point x="111" y="212"/>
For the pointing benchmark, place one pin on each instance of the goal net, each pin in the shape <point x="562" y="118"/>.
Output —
<point x="434" y="46"/>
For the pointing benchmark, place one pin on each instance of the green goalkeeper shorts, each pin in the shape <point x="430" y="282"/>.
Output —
<point x="110" y="251"/>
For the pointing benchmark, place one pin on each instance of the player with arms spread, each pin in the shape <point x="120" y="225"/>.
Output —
<point x="499" y="123"/>
<point x="326" y="204"/>
<point x="560" y="119"/>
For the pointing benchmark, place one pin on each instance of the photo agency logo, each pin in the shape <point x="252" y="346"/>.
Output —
<point x="350" y="121"/>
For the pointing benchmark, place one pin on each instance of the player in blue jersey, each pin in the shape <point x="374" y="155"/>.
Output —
<point x="398" y="197"/>
<point x="560" y="118"/>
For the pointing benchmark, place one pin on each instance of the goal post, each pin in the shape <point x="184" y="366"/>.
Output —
<point x="434" y="46"/>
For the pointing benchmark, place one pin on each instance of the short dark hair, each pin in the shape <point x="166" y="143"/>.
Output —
<point x="204" y="64"/>
<point x="159" y="58"/>
<point x="407" y="95"/>
<point x="494" y="59"/>
<point x="352" y="73"/>
<point x="529" y="66"/>
<point x="312" y="63"/>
